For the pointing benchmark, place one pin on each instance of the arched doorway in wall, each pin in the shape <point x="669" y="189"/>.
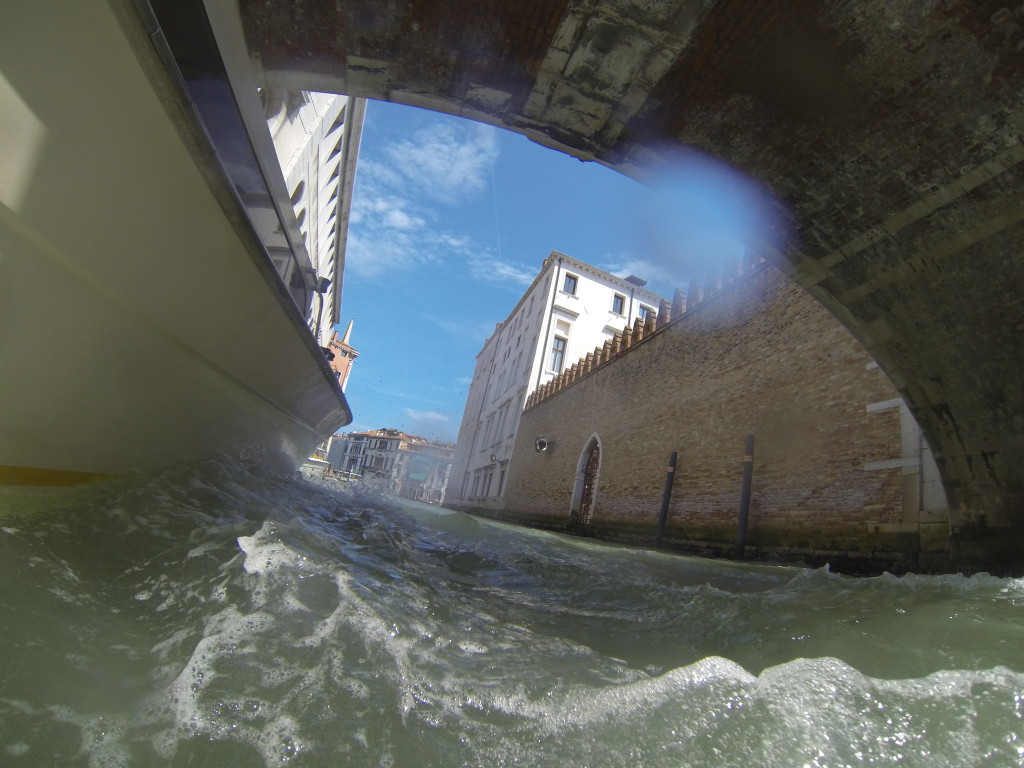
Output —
<point x="584" y="492"/>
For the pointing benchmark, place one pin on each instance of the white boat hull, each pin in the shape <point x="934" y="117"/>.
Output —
<point x="138" y="326"/>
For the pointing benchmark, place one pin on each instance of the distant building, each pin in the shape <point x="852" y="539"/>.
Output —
<point x="340" y="453"/>
<point x="408" y="465"/>
<point x="570" y="308"/>
<point x="425" y="467"/>
<point x="344" y="355"/>
<point x="365" y="455"/>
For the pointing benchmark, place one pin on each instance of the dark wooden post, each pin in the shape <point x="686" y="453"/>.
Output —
<point x="666" y="497"/>
<point x="748" y="474"/>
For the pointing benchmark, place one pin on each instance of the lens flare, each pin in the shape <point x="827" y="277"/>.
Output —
<point x="703" y="218"/>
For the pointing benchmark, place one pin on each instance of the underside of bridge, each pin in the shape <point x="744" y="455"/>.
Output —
<point x="890" y="129"/>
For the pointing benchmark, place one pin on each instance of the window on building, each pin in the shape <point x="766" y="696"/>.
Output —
<point x="569" y="284"/>
<point x="618" y="304"/>
<point x="644" y="312"/>
<point x="501" y="423"/>
<point x="558" y="354"/>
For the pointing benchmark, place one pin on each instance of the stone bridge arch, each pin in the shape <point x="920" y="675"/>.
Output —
<point x="891" y="130"/>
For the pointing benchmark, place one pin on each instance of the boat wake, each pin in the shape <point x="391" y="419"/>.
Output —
<point x="215" y="615"/>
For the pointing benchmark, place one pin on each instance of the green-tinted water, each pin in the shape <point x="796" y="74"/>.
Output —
<point x="220" y="617"/>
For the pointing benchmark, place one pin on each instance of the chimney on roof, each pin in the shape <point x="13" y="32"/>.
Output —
<point x="637" y="281"/>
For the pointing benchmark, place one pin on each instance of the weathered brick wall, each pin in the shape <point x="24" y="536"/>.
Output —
<point x="760" y="357"/>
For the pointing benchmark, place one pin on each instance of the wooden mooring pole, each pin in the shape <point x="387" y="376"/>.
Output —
<point x="748" y="474"/>
<point x="666" y="497"/>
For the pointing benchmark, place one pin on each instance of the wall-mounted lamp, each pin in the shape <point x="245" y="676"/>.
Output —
<point x="319" y="284"/>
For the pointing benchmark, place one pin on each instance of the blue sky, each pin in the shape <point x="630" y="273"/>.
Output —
<point x="451" y="220"/>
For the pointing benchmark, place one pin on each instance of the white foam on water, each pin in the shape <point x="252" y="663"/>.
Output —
<point x="203" y="549"/>
<point x="102" y="736"/>
<point x="266" y="553"/>
<point x="329" y="655"/>
<point x="186" y="702"/>
<point x="279" y="741"/>
<point x="472" y="648"/>
<point x="816" y="712"/>
<point x="272" y="570"/>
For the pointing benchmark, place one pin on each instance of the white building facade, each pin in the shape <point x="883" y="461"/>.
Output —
<point x="316" y="138"/>
<point x="374" y="454"/>
<point x="570" y="308"/>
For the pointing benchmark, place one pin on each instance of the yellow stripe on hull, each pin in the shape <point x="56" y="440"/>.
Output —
<point x="45" y="477"/>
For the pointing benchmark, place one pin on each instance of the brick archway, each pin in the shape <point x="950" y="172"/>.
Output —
<point x="585" y="485"/>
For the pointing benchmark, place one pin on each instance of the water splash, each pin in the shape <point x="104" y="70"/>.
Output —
<point x="218" y="616"/>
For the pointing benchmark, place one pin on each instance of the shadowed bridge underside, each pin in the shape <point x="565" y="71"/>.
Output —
<point x="890" y="130"/>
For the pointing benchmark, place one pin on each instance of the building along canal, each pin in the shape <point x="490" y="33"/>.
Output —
<point x="219" y="616"/>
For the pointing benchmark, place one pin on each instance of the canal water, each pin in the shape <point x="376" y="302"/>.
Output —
<point x="219" y="616"/>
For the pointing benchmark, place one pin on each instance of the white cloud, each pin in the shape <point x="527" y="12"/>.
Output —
<point x="662" y="277"/>
<point x="376" y="251"/>
<point x="377" y="178"/>
<point x="387" y="211"/>
<point x="491" y="269"/>
<point x="427" y="418"/>
<point x="474" y="331"/>
<point x="399" y="219"/>
<point x="388" y="233"/>
<point x="448" y="163"/>
<point x="455" y="242"/>
<point x="392" y="226"/>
